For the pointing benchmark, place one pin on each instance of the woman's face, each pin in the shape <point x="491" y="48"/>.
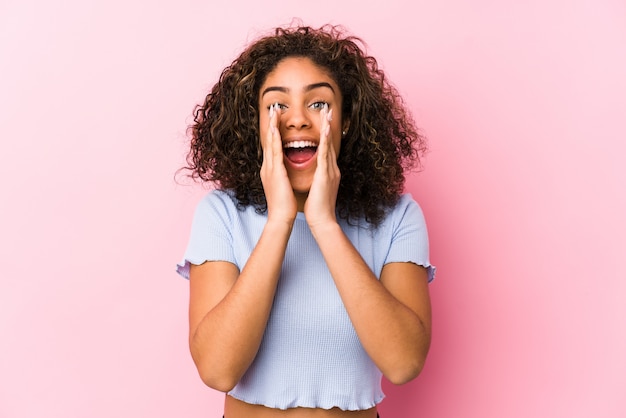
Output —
<point x="301" y="89"/>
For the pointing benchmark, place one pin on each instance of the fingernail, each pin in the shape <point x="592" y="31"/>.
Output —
<point x="271" y="111"/>
<point x="329" y="116"/>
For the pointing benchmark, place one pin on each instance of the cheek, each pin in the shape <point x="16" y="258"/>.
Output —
<point x="262" y="129"/>
<point x="337" y="146"/>
<point x="337" y="135"/>
<point x="337" y="142"/>
<point x="262" y="122"/>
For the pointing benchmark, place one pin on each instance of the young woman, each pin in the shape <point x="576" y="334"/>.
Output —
<point x="308" y="267"/>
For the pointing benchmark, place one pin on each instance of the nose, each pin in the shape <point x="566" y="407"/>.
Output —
<point x="296" y="117"/>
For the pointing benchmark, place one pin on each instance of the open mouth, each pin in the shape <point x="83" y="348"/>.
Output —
<point x="299" y="152"/>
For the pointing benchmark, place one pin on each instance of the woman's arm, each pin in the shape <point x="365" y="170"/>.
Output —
<point x="392" y="317"/>
<point x="228" y="311"/>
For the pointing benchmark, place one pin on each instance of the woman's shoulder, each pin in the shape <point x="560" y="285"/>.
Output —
<point x="405" y="210"/>
<point x="405" y="203"/>
<point x="406" y="200"/>
<point x="218" y="201"/>
<point x="222" y="197"/>
<point x="223" y="204"/>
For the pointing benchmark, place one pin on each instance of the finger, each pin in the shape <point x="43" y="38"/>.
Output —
<point x="273" y="144"/>
<point x="327" y="147"/>
<point x="322" y="157"/>
<point x="331" y="149"/>
<point x="277" y="144"/>
<point x="331" y="159"/>
<point x="267" y="141"/>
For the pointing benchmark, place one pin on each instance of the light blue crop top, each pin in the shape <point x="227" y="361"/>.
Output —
<point x="310" y="355"/>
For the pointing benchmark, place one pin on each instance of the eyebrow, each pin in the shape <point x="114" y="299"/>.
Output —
<point x="307" y="88"/>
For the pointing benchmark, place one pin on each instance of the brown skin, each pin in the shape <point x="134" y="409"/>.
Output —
<point x="381" y="141"/>
<point x="300" y="88"/>
<point x="229" y="309"/>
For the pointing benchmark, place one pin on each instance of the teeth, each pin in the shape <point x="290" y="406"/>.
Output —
<point x="300" y="144"/>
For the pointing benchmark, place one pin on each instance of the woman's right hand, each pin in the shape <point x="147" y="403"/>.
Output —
<point x="229" y="308"/>
<point x="281" y="201"/>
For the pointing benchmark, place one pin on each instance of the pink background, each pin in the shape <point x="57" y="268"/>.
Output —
<point x="524" y="191"/>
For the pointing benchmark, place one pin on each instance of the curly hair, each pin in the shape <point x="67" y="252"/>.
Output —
<point x="382" y="140"/>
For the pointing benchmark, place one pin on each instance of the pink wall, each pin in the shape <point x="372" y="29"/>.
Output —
<point x="524" y="191"/>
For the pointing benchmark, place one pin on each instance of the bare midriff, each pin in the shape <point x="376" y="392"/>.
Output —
<point x="234" y="408"/>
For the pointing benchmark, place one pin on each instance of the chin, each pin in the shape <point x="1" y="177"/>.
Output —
<point x="301" y="185"/>
<point x="301" y="190"/>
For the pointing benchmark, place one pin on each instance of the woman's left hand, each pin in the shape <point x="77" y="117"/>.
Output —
<point x="320" y="204"/>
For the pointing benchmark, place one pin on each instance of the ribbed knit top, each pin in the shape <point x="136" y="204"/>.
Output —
<point x="310" y="355"/>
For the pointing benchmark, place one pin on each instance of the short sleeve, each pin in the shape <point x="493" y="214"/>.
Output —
<point x="409" y="241"/>
<point x="210" y="238"/>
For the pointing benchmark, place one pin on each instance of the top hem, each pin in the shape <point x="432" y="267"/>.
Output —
<point x="300" y="404"/>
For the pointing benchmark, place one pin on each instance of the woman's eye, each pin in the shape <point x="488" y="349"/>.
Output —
<point x="318" y="105"/>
